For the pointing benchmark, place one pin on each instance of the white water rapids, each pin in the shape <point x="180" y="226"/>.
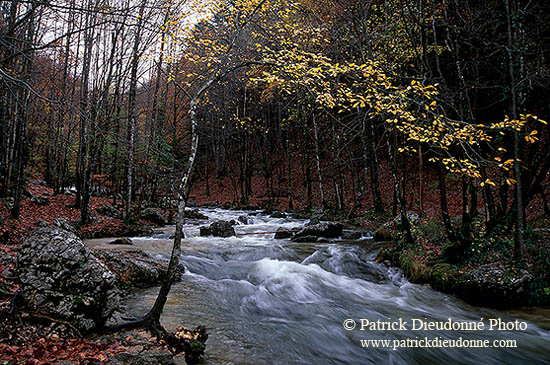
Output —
<point x="267" y="301"/>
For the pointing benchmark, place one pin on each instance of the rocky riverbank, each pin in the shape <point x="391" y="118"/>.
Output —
<point x="64" y="291"/>
<point x="488" y="277"/>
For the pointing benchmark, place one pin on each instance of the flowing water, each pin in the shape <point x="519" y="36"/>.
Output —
<point x="267" y="301"/>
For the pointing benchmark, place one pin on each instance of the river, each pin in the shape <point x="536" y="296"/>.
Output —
<point x="267" y="301"/>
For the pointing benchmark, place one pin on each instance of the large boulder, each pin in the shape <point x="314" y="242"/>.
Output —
<point x="326" y="229"/>
<point x="219" y="229"/>
<point x="136" y="269"/>
<point x="62" y="279"/>
<point x="109" y="211"/>
<point x="64" y="224"/>
<point x="154" y="215"/>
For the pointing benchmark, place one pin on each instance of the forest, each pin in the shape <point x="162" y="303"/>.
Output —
<point x="422" y="122"/>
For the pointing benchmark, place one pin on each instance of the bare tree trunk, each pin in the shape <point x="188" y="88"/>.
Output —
<point x="318" y="160"/>
<point x="519" y="208"/>
<point x="132" y="111"/>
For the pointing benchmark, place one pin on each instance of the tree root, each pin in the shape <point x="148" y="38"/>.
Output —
<point x="183" y="340"/>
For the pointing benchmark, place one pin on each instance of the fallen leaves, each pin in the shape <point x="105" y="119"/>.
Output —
<point x="55" y="349"/>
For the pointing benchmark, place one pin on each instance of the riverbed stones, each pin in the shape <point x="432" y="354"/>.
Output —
<point x="219" y="229"/>
<point x="325" y="229"/>
<point x="61" y="278"/>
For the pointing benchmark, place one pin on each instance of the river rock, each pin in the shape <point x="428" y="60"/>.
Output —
<point x="154" y="215"/>
<point x="313" y="221"/>
<point x="283" y="233"/>
<point x="327" y="230"/>
<point x="303" y="239"/>
<point x="194" y="214"/>
<point x="278" y="214"/>
<point x="62" y="279"/>
<point x="243" y="219"/>
<point x="40" y="200"/>
<point x="136" y="269"/>
<point x="219" y="229"/>
<point x="495" y="285"/>
<point x="122" y="241"/>
<point x="352" y="235"/>
<point x="109" y="211"/>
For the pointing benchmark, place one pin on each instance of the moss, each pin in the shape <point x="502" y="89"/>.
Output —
<point x="444" y="277"/>
<point x="415" y="270"/>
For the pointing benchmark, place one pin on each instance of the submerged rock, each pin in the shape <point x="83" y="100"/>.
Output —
<point x="62" y="279"/>
<point x="219" y="229"/>
<point x="327" y="230"/>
